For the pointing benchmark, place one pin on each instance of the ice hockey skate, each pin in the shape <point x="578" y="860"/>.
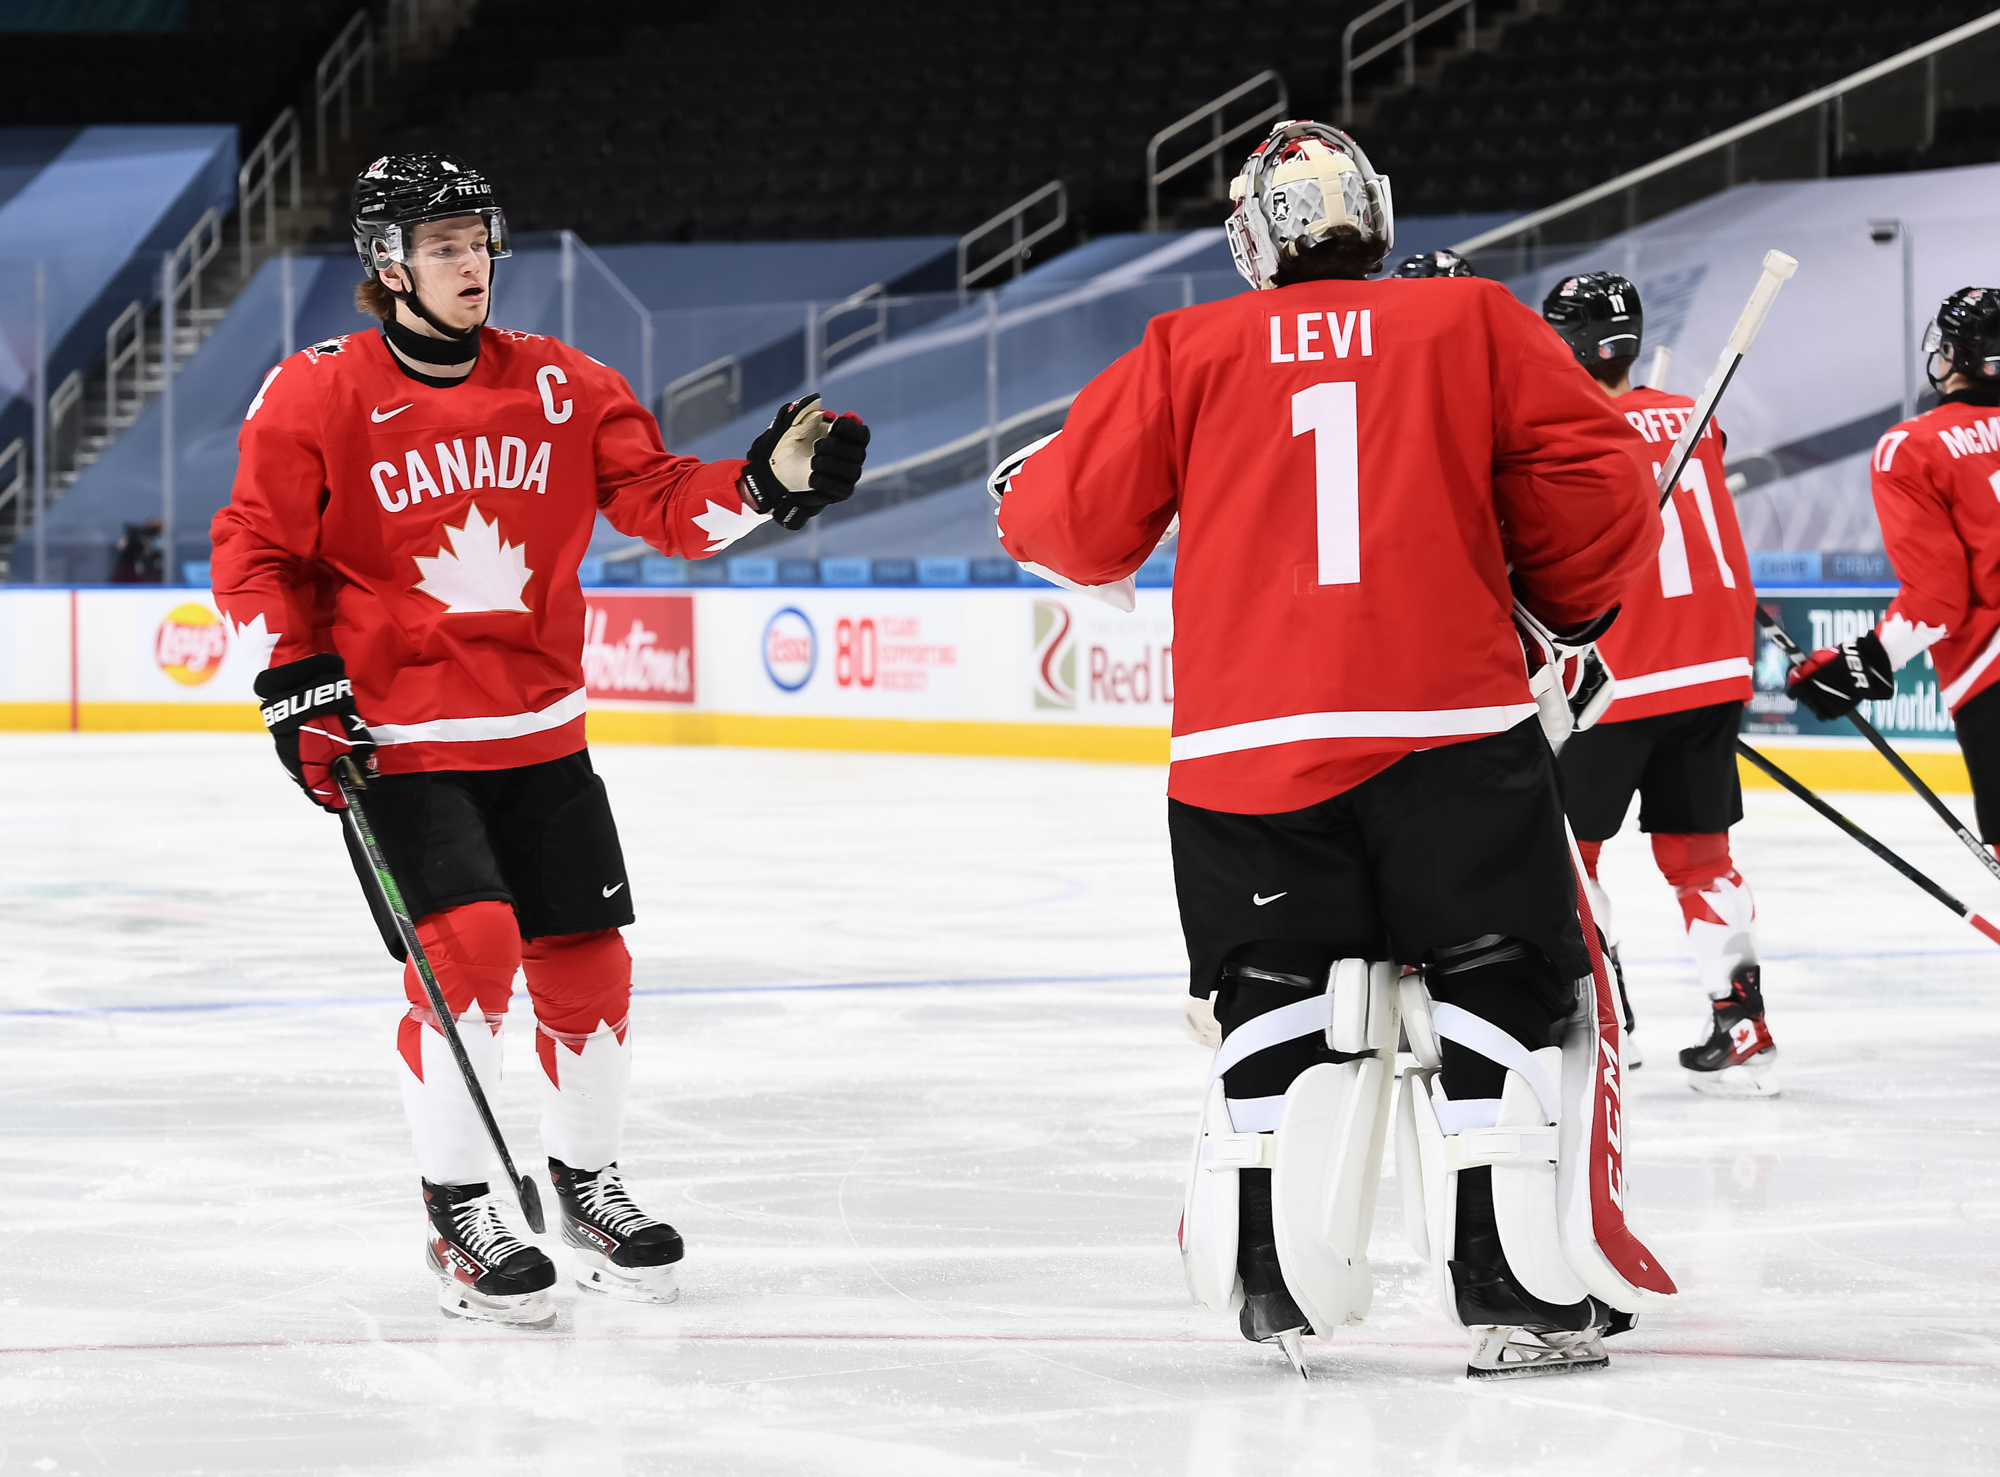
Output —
<point x="1736" y="1056"/>
<point x="618" y="1249"/>
<point x="485" y="1271"/>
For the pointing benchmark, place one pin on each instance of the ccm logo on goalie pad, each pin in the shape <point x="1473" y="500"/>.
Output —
<point x="306" y="702"/>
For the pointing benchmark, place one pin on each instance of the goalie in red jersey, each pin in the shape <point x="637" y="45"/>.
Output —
<point x="403" y="539"/>
<point x="1680" y="660"/>
<point x="1360" y="780"/>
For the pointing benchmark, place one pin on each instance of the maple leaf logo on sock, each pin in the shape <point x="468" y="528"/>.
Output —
<point x="478" y="572"/>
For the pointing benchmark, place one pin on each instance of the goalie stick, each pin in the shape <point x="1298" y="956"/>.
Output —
<point x="1978" y="921"/>
<point x="1778" y="268"/>
<point x="1795" y="654"/>
<point x="351" y="786"/>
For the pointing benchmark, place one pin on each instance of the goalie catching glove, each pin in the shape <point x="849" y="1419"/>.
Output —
<point x="1570" y="682"/>
<point x="309" y="708"/>
<point x="805" y="459"/>
<point x="1836" y="679"/>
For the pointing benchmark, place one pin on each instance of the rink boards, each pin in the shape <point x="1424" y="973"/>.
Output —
<point x="1027" y="672"/>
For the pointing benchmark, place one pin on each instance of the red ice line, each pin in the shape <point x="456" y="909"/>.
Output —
<point x="919" y="1338"/>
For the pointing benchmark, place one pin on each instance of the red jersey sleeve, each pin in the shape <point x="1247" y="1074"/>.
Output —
<point x="267" y="577"/>
<point x="1578" y="512"/>
<point x="678" y="504"/>
<point x="1920" y="535"/>
<point x="1118" y="442"/>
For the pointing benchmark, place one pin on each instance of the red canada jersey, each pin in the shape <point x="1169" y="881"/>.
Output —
<point x="1355" y="465"/>
<point x="1937" y="495"/>
<point x="1686" y="636"/>
<point x="431" y="536"/>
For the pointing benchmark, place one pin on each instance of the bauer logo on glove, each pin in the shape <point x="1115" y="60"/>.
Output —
<point x="1834" y="680"/>
<point x="309" y="708"/>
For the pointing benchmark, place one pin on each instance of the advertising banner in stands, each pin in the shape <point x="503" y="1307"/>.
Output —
<point x="1819" y="618"/>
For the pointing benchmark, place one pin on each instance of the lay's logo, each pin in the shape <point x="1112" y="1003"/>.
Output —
<point x="191" y="643"/>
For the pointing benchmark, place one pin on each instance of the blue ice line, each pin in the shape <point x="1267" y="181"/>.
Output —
<point x="328" y="1002"/>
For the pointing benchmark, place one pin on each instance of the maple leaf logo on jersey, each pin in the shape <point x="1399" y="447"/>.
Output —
<point x="478" y="572"/>
<point x="725" y="527"/>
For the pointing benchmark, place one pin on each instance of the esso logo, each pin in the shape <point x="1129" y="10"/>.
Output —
<point x="790" y="649"/>
<point x="191" y="644"/>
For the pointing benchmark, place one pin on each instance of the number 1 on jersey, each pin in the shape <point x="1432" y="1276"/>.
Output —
<point x="1327" y="410"/>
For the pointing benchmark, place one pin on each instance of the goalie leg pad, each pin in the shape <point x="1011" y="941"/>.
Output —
<point x="1329" y="1150"/>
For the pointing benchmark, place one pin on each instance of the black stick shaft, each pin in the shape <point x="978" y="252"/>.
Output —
<point x="1874" y="736"/>
<point x="385" y="881"/>
<point x="1670" y="475"/>
<point x="1853" y="830"/>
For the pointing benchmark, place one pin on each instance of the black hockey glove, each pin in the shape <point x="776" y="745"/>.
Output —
<point x="309" y="708"/>
<point x="1834" y="679"/>
<point x="804" y="460"/>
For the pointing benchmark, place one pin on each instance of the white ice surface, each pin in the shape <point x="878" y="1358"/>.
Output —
<point x="911" y="1082"/>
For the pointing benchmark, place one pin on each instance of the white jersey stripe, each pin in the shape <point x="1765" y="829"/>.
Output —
<point x="1673" y="677"/>
<point x="1970" y="675"/>
<point x="481" y="730"/>
<point x="1302" y="727"/>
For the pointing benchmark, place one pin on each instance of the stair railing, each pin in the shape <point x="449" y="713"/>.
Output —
<point x="1023" y="242"/>
<point x="1211" y="113"/>
<point x="125" y="366"/>
<point x="65" y="434"/>
<point x="333" y="79"/>
<point x="725" y="374"/>
<point x="1406" y="38"/>
<point x="257" y="180"/>
<point x="872" y="299"/>
<point x="198" y="248"/>
<point x="14" y="489"/>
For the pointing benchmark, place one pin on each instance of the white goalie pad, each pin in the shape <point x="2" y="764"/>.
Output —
<point x="1325" y="1152"/>
<point x="1524" y="1136"/>
<point x="1329" y="1153"/>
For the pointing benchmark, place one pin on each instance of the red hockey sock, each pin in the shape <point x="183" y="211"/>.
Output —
<point x="474" y="950"/>
<point x="1590" y="850"/>
<point x="1693" y="864"/>
<point x="579" y="983"/>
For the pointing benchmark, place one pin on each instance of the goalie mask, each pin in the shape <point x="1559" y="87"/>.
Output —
<point x="1964" y="338"/>
<point x="1598" y="316"/>
<point x="398" y="193"/>
<point x="1302" y="185"/>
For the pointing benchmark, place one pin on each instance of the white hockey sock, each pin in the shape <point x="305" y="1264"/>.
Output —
<point x="1722" y="931"/>
<point x="585" y="1079"/>
<point x="450" y="1142"/>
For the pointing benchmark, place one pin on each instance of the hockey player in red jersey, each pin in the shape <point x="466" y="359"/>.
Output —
<point x="1680" y="659"/>
<point x="403" y="540"/>
<point x="1937" y="495"/>
<point x="1359" y="778"/>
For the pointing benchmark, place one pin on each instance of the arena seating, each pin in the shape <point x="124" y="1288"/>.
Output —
<point x="1577" y="97"/>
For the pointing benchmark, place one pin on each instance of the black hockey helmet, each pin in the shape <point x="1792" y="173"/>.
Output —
<point x="1964" y="338"/>
<point x="1598" y="316"/>
<point x="1445" y="263"/>
<point x="401" y="191"/>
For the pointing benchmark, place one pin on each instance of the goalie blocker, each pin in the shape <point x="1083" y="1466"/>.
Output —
<point x="1510" y="1123"/>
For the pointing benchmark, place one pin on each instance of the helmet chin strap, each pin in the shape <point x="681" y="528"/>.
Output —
<point x="458" y="346"/>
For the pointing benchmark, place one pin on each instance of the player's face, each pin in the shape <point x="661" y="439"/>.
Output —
<point x="452" y="269"/>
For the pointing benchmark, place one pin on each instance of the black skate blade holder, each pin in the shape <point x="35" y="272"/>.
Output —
<point x="351" y="786"/>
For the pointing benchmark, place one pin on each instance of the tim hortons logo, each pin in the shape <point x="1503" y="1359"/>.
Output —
<point x="190" y="644"/>
<point x="639" y="648"/>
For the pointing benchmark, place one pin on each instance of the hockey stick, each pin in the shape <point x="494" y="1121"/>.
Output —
<point x="1795" y="655"/>
<point x="1777" y="269"/>
<point x="351" y="786"/>
<point x="1976" y="920"/>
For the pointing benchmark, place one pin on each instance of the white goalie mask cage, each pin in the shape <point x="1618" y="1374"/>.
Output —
<point x="1304" y="182"/>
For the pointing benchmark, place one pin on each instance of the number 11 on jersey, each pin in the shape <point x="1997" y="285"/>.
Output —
<point x="1327" y="410"/>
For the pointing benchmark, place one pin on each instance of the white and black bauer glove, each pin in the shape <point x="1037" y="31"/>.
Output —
<point x="309" y="708"/>
<point x="805" y="459"/>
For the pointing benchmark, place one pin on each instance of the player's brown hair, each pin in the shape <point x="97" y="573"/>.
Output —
<point x="1344" y="254"/>
<point x="373" y="298"/>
